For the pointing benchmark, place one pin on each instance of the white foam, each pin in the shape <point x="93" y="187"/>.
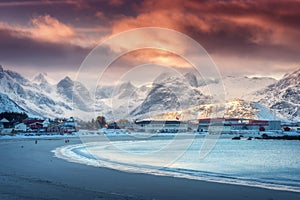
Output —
<point x="81" y="153"/>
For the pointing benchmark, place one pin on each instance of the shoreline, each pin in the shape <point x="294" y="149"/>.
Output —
<point x="73" y="153"/>
<point x="33" y="172"/>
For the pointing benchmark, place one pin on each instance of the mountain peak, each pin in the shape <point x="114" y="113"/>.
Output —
<point x="40" y="78"/>
<point x="125" y="90"/>
<point x="126" y="85"/>
<point x="67" y="78"/>
<point x="1" y="68"/>
<point x="66" y="83"/>
<point x="192" y="79"/>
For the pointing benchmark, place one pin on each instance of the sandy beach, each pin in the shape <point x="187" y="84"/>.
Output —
<point x="30" y="171"/>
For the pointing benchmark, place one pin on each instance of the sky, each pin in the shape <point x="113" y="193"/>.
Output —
<point x="248" y="38"/>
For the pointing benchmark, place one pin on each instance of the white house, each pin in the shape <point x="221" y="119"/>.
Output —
<point x="3" y="121"/>
<point x="168" y="126"/>
<point x="217" y="128"/>
<point x="21" y="127"/>
<point x="46" y="123"/>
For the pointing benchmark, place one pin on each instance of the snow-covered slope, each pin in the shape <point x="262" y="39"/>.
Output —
<point x="75" y="93"/>
<point x="117" y="101"/>
<point x="167" y="92"/>
<point x="233" y="109"/>
<point x="283" y="97"/>
<point x="170" y="93"/>
<point x="7" y="105"/>
<point x="170" y="96"/>
<point x="192" y="79"/>
<point x="239" y="87"/>
<point x="37" y="97"/>
<point x="41" y="81"/>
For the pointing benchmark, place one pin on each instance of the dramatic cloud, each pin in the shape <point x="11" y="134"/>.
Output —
<point x="261" y="30"/>
<point x="246" y="37"/>
<point x="46" y="44"/>
<point x="21" y="48"/>
<point x="50" y="29"/>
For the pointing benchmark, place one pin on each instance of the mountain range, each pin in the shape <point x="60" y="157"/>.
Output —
<point x="167" y="97"/>
<point x="36" y="97"/>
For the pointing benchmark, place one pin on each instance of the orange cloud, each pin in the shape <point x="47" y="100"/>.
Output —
<point x="220" y="16"/>
<point x="165" y="14"/>
<point x="50" y="29"/>
<point x="258" y="30"/>
<point x="156" y="56"/>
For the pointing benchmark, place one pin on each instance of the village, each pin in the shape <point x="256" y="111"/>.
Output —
<point x="216" y="125"/>
<point x="38" y="126"/>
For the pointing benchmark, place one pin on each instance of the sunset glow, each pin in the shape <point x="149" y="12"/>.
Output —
<point x="242" y="37"/>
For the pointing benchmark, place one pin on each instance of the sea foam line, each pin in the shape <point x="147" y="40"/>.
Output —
<point x="79" y="154"/>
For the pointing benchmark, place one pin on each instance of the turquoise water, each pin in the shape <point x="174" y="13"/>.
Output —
<point x="271" y="164"/>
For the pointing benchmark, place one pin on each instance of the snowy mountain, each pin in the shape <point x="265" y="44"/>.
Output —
<point x="119" y="100"/>
<point x="75" y="93"/>
<point x="232" y="109"/>
<point x="120" y="91"/>
<point x="35" y="97"/>
<point x="283" y="97"/>
<point x="170" y="93"/>
<point x="8" y="105"/>
<point x="168" y="97"/>
<point x="239" y="87"/>
<point x="246" y="97"/>
<point x="41" y="81"/>
<point x="167" y="92"/>
<point x="192" y="79"/>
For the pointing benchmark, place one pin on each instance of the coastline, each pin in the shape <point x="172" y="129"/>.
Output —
<point x="32" y="172"/>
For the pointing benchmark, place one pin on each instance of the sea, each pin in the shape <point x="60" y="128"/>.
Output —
<point x="272" y="164"/>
